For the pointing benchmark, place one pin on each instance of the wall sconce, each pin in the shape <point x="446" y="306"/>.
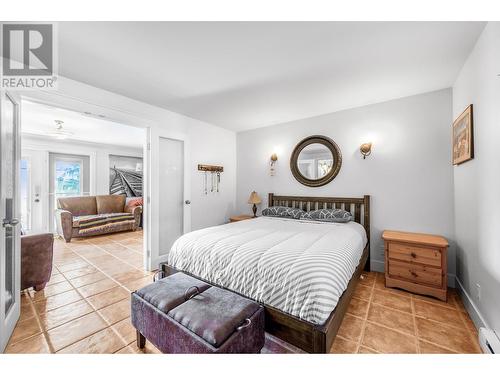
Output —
<point x="274" y="159"/>
<point x="365" y="149"/>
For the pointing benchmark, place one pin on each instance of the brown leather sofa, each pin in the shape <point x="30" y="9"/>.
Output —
<point x="95" y="215"/>
<point x="36" y="260"/>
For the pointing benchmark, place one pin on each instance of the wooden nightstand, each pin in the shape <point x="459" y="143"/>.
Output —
<point x="232" y="219"/>
<point x="416" y="262"/>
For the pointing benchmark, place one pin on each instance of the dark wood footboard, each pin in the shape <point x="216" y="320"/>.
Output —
<point x="307" y="336"/>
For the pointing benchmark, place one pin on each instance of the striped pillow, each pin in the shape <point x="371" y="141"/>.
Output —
<point x="333" y="215"/>
<point x="280" y="211"/>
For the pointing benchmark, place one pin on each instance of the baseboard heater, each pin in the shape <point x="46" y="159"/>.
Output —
<point x="489" y="341"/>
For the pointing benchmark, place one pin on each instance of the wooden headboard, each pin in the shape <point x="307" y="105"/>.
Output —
<point x="358" y="207"/>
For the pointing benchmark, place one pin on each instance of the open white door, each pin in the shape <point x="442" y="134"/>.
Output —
<point x="10" y="239"/>
<point x="168" y="210"/>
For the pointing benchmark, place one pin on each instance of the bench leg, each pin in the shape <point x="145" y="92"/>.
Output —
<point x="141" y="340"/>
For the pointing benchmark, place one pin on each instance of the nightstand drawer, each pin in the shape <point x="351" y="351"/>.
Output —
<point x="415" y="254"/>
<point x="416" y="273"/>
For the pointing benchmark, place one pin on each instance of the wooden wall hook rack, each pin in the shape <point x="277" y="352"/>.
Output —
<point x="210" y="168"/>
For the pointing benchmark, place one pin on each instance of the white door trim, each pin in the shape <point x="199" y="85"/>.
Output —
<point x="71" y="103"/>
<point x="8" y="322"/>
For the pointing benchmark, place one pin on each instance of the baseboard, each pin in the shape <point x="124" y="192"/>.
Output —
<point x="470" y="306"/>
<point x="379" y="266"/>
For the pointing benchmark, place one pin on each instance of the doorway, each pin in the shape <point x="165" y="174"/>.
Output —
<point x="69" y="176"/>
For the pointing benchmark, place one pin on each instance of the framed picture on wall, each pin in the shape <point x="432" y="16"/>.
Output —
<point x="463" y="137"/>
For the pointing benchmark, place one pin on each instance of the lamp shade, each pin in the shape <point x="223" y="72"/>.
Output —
<point x="254" y="198"/>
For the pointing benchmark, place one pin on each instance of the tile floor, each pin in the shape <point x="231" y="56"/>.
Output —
<point x="383" y="320"/>
<point x="86" y="308"/>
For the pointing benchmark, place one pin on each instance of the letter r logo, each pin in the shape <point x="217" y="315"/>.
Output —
<point x="27" y="49"/>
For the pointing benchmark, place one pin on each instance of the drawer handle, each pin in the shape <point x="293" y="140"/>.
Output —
<point x="413" y="255"/>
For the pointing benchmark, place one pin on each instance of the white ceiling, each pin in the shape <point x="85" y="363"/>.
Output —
<point x="244" y="75"/>
<point x="38" y="119"/>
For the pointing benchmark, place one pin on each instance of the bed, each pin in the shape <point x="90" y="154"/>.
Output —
<point x="303" y="272"/>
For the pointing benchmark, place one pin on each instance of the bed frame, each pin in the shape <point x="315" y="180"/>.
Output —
<point x="314" y="338"/>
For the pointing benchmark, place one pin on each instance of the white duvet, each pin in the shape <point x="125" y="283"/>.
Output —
<point x="299" y="267"/>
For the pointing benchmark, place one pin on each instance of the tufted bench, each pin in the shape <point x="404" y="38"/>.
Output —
<point x="181" y="314"/>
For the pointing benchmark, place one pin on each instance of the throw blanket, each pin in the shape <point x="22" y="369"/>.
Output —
<point x="297" y="266"/>
<point x="104" y="221"/>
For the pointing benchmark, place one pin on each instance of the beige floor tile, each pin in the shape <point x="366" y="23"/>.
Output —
<point x="72" y="266"/>
<point x="363" y="292"/>
<point x="27" y="311"/>
<point x="24" y="329"/>
<point x="125" y="330"/>
<point x="380" y="280"/>
<point x="342" y="346"/>
<point x="116" y="312"/>
<point x="395" y="301"/>
<point x="469" y="324"/>
<point x="149" y="349"/>
<point x="367" y="278"/>
<point x="57" y="278"/>
<point x="53" y="318"/>
<point x="387" y="340"/>
<point x="428" y="348"/>
<point x="438" y="313"/>
<point x="358" y="307"/>
<point x="80" y="272"/>
<point x="97" y="287"/>
<point x="33" y="345"/>
<point x="450" y="304"/>
<point x="129" y="276"/>
<point x="351" y="328"/>
<point x="391" y="318"/>
<point x="52" y="290"/>
<point x="53" y="302"/>
<point x="102" y="342"/>
<point x="455" y="339"/>
<point x="138" y="284"/>
<point x="108" y="297"/>
<point x="364" y="350"/>
<point x="87" y="279"/>
<point x="75" y="330"/>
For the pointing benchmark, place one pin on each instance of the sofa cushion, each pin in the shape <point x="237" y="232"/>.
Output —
<point x="107" y="204"/>
<point x="78" y="206"/>
<point x="214" y="314"/>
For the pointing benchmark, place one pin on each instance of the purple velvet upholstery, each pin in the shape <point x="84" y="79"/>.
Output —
<point x="206" y="323"/>
<point x="36" y="260"/>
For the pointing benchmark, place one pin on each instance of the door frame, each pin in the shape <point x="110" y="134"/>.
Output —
<point x="156" y="190"/>
<point x="138" y="120"/>
<point x="8" y="322"/>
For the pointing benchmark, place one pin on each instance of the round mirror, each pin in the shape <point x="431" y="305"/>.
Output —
<point x="315" y="161"/>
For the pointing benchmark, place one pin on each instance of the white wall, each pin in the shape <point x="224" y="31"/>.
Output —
<point x="98" y="152"/>
<point x="477" y="182"/>
<point x="408" y="175"/>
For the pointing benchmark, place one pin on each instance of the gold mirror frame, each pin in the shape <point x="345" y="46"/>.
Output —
<point x="337" y="160"/>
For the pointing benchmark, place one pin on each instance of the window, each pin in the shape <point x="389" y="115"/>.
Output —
<point x="68" y="178"/>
